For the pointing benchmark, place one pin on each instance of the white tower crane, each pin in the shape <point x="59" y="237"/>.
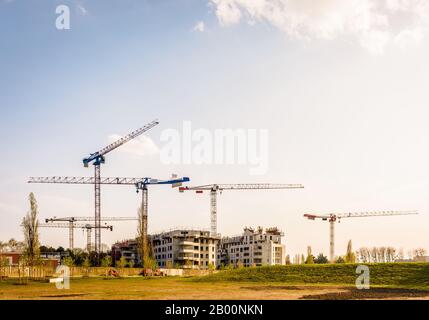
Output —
<point x="215" y="188"/>
<point x="333" y="217"/>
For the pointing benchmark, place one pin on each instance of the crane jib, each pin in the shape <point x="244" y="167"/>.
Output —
<point x="98" y="157"/>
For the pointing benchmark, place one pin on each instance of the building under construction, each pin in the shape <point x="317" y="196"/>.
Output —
<point x="253" y="248"/>
<point x="188" y="249"/>
<point x="200" y="249"/>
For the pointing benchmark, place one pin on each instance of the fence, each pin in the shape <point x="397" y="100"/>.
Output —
<point x="46" y="272"/>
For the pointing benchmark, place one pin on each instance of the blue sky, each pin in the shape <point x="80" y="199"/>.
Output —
<point x="347" y="116"/>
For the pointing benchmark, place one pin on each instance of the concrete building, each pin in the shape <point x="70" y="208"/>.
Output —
<point x="185" y="248"/>
<point x="127" y="249"/>
<point x="253" y="247"/>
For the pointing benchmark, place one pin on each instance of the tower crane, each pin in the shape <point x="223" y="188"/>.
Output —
<point x="71" y="221"/>
<point x="216" y="188"/>
<point x="85" y="226"/>
<point x="138" y="183"/>
<point x="98" y="158"/>
<point x="333" y="217"/>
<point x="142" y="185"/>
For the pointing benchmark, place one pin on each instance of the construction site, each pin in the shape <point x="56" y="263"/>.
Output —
<point x="218" y="149"/>
<point x="178" y="248"/>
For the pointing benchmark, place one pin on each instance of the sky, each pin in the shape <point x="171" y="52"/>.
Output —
<point x="340" y="87"/>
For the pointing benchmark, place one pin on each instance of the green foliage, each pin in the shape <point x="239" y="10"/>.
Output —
<point x="4" y="262"/>
<point x="68" y="261"/>
<point x="310" y="259"/>
<point x="86" y="263"/>
<point x="131" y="264"/>
<point x="30" y="226"/>
<point x="150" y="263"/>
<point x="321" y="259"/>
<point x="106" y="261"/>
<point x="340" y="260"/>
<point x="212" y="267"/>
<point x="350" y="256"/>
<point x="79" y="256"/>
<point x="395" y="274"/>
<point x="121" y="263"/>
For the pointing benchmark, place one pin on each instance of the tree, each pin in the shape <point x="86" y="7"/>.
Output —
<point x="350" y="256"/>
<point x="419" y="252"/>
<point x="131" y="264"/>
<point x="321" y="259"/>
<point x="302" y="261"/>
<point x="390" y="254"/>
<point x="121" y="263"/>
<point x="310" y="257"/>
<point x="401" y="254"/>
<point x="68" y="261"/>
<point x="3" y="261"/>
<point x="30" y="225"/>
<point x="106" y="261"/>
<point x="79" y="256"/>
<point x="340" y="260"/>
<point x="12" y="244"/>
<point x="363" y="255"/>
<point x="374" y="255"/>
<point x="144" y="248"/>
<point x="86" y="265"/>
<point x="211" y="267"/>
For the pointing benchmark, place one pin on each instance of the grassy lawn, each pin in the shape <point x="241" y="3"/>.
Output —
<point x="388" y="281"/>
<point x="399" y="275"/>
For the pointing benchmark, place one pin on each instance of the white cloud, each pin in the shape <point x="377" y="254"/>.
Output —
<point x="373" y="24"/>
<point x="140" y="146"/>
<point x="199" y="26"/>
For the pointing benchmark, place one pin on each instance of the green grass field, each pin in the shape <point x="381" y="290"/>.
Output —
<point x="401" y="275"/>
<point x="388" y="281"/>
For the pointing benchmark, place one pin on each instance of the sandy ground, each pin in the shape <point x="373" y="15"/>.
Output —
<point x="179" y="288"/>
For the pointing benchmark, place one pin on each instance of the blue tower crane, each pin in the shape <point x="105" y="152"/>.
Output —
<point x="97" y="158"/>
<point x="142" y="185"/>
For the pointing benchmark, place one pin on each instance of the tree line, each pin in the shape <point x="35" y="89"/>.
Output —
<point x="384" y="254"/>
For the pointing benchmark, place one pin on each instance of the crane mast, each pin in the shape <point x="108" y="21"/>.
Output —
<point x="138" y="183"/>
<point x="334" y="217"/>
<point x="214" y="189"/>
<point x="97" y="158"/>
<point x="143" y="187"/>
<point x="71" y="222"/>
<point x="71" y="227"/>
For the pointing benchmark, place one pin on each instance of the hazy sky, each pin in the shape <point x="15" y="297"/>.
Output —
<point x="341" y="88"/>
